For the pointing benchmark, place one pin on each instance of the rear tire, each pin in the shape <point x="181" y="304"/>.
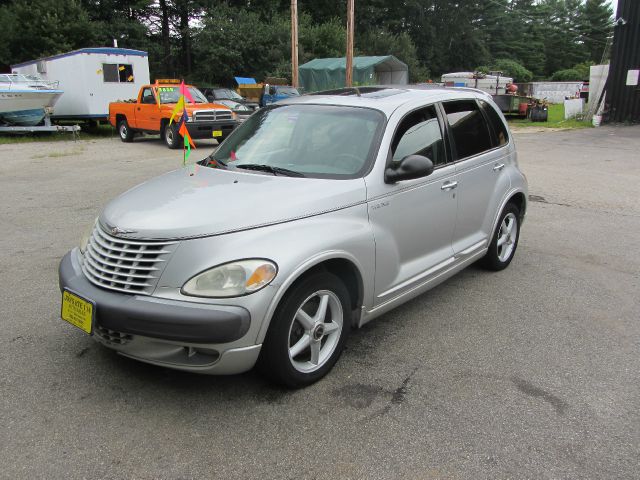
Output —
<point x="504" y="241"/>
<point x="308" y="332"/>
<point x="171" y="136"/>
<point x="125" y="132"/>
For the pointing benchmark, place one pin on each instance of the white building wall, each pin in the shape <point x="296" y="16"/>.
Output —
<point x="555" y="92"/>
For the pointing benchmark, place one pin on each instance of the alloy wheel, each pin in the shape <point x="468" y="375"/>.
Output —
<point x="315" y="331"/>
<point x="507" y="237"/>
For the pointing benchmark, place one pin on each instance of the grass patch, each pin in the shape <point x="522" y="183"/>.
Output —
<point x="555" y="119"/>
<point x="74" y="151"/>
<point x="87" y="133"/>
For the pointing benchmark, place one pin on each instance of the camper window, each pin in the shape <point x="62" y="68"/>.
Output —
<point x="117" y="72"/>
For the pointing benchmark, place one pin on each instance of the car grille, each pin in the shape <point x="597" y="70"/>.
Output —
<point x="211" y="115"/>
<point x="131" y="266"/>
<point x="112" y="336"/>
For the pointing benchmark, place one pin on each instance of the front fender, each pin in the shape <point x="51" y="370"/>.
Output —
<point x="294" y="246"/>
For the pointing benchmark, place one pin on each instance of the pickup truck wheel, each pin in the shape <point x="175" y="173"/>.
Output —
<point x="307" y="332"/>
<point x="126" y="134"/>
<point x="171" y="136"/>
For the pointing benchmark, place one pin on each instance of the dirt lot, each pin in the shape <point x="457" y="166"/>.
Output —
<point x="532" y="372"/>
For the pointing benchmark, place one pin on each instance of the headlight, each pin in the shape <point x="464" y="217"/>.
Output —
<point x="84" y="239"/>
<point x="232" y="279"/>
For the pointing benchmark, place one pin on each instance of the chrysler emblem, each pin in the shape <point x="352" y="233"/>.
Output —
<point x="115" y="231"/>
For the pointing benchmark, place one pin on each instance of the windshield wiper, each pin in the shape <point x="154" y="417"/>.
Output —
<point x="270" y="169"/>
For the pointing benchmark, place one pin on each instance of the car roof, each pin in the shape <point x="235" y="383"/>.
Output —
<point x="387" y="98"/>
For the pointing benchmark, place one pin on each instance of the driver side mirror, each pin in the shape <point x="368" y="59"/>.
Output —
<point x="410" y="167"/>
<point x="272" y="90"/>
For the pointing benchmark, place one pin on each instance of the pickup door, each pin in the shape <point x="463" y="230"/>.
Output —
<point x="147" y="113"/>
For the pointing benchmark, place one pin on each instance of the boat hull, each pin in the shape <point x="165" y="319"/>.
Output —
<point x="26" y="107"/>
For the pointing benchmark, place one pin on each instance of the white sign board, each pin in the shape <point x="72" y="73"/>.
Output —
<point x="573" y="107"/>
<point x="632" y="77"/>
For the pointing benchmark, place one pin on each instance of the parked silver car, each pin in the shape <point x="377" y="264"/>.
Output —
<point x="315" y="216"/>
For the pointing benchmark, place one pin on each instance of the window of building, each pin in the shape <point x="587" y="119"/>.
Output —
<point x="117" y="72"/>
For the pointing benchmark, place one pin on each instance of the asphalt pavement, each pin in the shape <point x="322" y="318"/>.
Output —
<point x="532" y="372"/>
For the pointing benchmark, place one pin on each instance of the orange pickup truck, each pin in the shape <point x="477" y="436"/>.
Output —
<point x="206" y="120"/>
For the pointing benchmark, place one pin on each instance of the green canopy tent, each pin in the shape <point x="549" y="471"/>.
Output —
<point x="329" y="73"/>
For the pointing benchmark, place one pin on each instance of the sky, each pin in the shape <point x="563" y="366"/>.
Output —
<point x="614" y="4"/>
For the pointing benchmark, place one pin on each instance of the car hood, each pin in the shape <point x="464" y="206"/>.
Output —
<point x="198" y="201"/>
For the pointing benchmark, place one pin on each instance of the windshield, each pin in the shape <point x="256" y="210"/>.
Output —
<point x="290" y="91"/>
<point x="226" y="93"/>
<point x="172" y="95"/>
<point x="322" y="141"/>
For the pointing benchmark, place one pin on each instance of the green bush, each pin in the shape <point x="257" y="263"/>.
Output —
<point x="568" y="75"/>
<point x="511" y="68"/>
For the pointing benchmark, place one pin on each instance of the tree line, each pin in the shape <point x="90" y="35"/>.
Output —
<point x="211" y="41"/>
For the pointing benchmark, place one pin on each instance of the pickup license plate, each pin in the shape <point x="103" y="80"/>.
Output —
<point x="77" y="311"/>
<point x="217" y="133"/>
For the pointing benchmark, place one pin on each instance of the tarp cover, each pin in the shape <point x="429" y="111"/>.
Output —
<point x="245" y="80"/>
<point x="329" y="73"/>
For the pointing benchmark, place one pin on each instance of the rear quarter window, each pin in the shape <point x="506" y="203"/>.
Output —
<point x="499" y="130"/>
<point x="468" y="127"/>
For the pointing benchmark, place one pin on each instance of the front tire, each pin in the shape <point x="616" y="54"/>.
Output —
<point x="308" y="332"/>
<point x="125" y="132"/>
<point x="171" y="136"/>
<point x="505" y="240"/>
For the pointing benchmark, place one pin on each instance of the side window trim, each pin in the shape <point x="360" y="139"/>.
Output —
<point x="450" y="147"/>
<point x="443" y="129"/>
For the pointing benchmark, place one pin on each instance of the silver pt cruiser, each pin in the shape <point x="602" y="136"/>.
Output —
<point x="314" y="217"/>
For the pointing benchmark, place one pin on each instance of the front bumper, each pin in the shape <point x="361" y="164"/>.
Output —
<point x="181" y="335"/>
<point x="206" y="129"/>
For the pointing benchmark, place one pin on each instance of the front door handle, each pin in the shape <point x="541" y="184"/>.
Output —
<point x="448" y="186"/>
<point x="498" y="166"/>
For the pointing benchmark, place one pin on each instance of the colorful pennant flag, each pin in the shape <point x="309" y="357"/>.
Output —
<point x="157" y="90"/>
<point x="176" y="110"/>
<point x="188" y="142"/>
<point x="184" y="91"/>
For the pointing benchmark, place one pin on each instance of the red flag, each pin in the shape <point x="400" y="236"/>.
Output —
<point x="185" y="91"/>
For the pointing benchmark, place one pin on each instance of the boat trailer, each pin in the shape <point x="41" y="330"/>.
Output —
<point x="47" y="127"/>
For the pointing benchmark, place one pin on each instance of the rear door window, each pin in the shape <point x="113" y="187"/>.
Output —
<point x="469" y="129"/>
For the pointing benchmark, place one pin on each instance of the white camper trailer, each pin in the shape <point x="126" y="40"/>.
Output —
<point x="493" y="84"/>
<point x="91" y="78"/>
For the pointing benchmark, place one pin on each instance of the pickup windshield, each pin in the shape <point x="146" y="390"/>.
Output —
<point x="319" y="141"/>
<point x="225" y="93"/>
<point x="172" y="95"/>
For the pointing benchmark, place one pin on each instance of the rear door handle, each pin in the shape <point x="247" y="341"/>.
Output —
<point x="448" y="186"/>
<point x="498" y="166"/>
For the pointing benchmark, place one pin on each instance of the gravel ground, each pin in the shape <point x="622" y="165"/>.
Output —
<point x="527" y="373"/>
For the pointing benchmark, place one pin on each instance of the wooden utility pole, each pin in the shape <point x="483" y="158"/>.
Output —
<point x="294" y="43"/>
<point x="349" y="66"/>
